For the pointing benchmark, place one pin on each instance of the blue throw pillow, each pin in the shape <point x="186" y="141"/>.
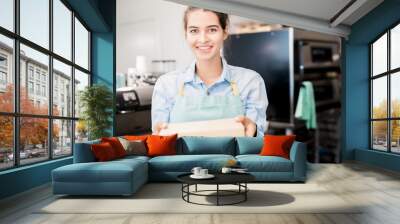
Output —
<point x="194" y="145"/>
<point x="249" y="145"/>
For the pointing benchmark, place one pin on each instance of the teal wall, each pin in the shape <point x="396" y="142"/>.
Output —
<point x="356" y="85"/>
<point x="104" y="52"/>
<point x="24" y="178"/>
<point x="100" y="17"/>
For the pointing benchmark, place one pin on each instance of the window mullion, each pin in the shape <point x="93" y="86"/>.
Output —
<point x="371" y="89"/>
<point x="16" y="70"/>
<point x="389" y="76"/>
<point x="73" y="82"/>
<point x="50" y="81"/>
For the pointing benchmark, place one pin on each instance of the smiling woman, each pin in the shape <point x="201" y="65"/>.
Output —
<point x="209" y="89"/>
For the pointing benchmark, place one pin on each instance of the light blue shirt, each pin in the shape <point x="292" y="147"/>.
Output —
<point x="249" y="83"/>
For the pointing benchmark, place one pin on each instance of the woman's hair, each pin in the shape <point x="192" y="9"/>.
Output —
<point x="222" y="17"/>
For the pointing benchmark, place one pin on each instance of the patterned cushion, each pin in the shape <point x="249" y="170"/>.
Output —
<point x="135" y="147"/>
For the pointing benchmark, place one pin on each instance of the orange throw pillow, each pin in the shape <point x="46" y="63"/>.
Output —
<point x="161" y="145"/>
<point x="277" y="145"/>
<point x="136" y="137"/>
<point x="103" y="151"/>
<point x="116" y="145"/>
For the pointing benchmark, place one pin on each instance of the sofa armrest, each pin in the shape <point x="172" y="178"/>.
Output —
<point x="298" y="155"/>
<point x="83" y="152"/>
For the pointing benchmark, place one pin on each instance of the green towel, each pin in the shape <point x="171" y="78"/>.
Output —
<point x="305" y="109"/>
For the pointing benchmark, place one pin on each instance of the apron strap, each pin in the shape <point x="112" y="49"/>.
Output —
<point x="233" y="84"/>
<point x="180" y="93"/>
<point x="234" y="87"/>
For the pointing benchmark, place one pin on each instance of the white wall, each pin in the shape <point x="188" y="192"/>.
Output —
<point x="152" y="28"/>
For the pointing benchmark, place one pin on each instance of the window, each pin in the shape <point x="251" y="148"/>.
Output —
<point x="81" y="45"/>
<point x="3" y="82"/>
<point x="62" y="74"/>
<point x="6" y="142"/>
<point x="385" y="94"/>
<point x="3" y="78"/>
<point x="3" y="72"/>
<point x="30" y="88"/>
<point x="55" y="101"/>
<point x="37" y="74"/>
<point x="30" y="72"/>
<point x="44" y="91"/>
<point x="33" y="148"/>
<point x="45" y="131"/>
<point x="3" y="61"/>
<point x="6" y="74"/>
<point x="62" y="137"/>
<point x="62" y="31"/>
<point x="35" y="22"/>
<point x="7" y="14"/>
<point x="38" y="89"/>
<point x="81" y="81"/>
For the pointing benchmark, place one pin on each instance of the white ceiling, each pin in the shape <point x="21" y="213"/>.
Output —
<point x="314" y="15"/>
<point x="321" y="9"/>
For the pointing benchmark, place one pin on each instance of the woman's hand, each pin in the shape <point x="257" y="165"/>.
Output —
<point x="250" y="128"/>
<point x="159" y="126"/>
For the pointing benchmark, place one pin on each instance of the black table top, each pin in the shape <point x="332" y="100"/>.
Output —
<point x="220" y="178"/>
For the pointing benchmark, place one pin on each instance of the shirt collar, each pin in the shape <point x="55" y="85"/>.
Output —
<point x="191" y="76"/>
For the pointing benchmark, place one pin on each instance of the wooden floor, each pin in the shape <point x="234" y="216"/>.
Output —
<point x="377" y="188"/>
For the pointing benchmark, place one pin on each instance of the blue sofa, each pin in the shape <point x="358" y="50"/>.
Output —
<point x="125" y="176"/>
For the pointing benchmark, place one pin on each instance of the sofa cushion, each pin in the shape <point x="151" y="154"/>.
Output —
<point x="136" y="137"/>
<point x="135" y="147"/>
<point x="249" y="145"/>
<point x="277" y="145"/>
<point x="103" y="151"/>
<point x="132" y="158"/>
<point x="111" y="171"/>
<point x="185" y="163"/>
<point x="257" y="163"/>
<point x="195" y="145"/>
<point x="161" y="145"/>
<point x="83" y="152"/>
<point x="116" y="145"/>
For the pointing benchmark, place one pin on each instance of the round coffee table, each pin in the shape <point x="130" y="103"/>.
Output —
<point x="238" y="179"/>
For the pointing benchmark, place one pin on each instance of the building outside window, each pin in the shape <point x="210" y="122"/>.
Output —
<point x="385" y="91"/>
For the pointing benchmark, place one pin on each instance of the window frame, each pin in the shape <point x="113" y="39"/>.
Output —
<point x="16" y="114"/>
<point x="388" y="74"/>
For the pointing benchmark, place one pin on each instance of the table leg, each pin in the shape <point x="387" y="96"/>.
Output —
<point x="188" y="190"/>
<point x="245" y="193"/>
<point x="217" y="194"/>
<point x="196" y="188"/>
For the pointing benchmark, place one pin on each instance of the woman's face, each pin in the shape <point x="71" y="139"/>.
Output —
<point x="204" y="34"/>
